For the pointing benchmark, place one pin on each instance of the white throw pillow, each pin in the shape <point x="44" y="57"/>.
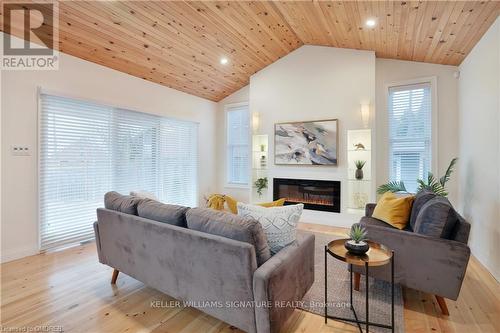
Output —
<point x="279" y="223"/>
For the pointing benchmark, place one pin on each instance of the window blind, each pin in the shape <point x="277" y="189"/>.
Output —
<point x="238" y="137"/>
<point x="88" y="149"/>
<point x="410" y="133"/>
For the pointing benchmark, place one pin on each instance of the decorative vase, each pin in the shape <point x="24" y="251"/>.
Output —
<point x="359" y="174"/>
<point x="356" y="248"/>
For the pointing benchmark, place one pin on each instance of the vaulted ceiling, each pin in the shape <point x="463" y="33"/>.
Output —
<point x="179" y="44"/>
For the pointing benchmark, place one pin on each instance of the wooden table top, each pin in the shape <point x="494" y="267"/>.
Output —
<point x="377" y="255"/>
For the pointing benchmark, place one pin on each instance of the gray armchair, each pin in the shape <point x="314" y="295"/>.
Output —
<point x="429" y="264"/>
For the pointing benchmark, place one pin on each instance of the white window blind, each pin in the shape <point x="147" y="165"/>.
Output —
<point x="88" y="149"/>
<point x="410" y="133"/>
<point x="237" y="138"/>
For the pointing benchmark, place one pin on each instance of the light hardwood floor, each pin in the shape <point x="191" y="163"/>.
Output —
<point x="70" y="289"/>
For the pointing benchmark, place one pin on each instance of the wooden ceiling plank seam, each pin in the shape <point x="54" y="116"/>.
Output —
<point x="271" y="5"/>
<point x="266" y="26"/>
<point x="235" y="37"/>
<point x="444" y="17"/>
<point x="286" y="10"/>
<point x="206" y="53"/>
<point x="159" y="33"/>
<point x="467" y="17"/>
<point x="339" y="33"/>
<point x="420" y="30"/>
<point x="443" y="49"/>
<point x="257" y="42"/>
<point x="427" y="30"/>
<point x="160" y="52"/>
<point x="138" y="53"/>
<point x="486" y="19"/>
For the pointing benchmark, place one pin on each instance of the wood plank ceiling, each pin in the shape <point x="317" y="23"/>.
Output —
<point x="179" y="43"/>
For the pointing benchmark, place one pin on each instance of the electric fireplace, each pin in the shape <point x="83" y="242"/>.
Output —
<point x="321" y="195"/>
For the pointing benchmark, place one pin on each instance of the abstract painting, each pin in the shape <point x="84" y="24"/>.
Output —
<point x="306" y="143"/>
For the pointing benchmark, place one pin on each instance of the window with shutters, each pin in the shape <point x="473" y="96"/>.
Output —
<point x="237" y="141"/>
<point x="87" y="149"/>
<point x="410" y="133"/>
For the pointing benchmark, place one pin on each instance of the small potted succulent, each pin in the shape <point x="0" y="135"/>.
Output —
<point x="357" y="243"/>
<point x="359" y="169"/>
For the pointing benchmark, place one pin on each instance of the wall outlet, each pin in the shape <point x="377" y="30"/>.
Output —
<point x="19" y="150"/>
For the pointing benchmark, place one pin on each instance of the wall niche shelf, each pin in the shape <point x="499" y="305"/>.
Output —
<point x="359" y="191"/>
<point x="260" y="164"/>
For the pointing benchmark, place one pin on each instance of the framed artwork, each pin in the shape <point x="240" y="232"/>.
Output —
<point x="306" y="142"/>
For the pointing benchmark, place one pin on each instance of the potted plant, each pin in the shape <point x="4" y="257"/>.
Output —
<point x="260" y="184"/>
<point x="431" y="184"/>
<point x="357" y="243"/>
<point x="359" y="169"/>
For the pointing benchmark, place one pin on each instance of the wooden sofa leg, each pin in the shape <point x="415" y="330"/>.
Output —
<point x="357" y="278"/>
<point x="114" y="276"/>
<point x="442" y="305"/>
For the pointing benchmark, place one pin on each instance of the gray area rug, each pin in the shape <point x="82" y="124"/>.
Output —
<point x="338" y="292"/>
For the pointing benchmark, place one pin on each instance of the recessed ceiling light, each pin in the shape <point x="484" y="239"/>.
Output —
<point x="223" y="61"/>
<point x="370" y="22"/>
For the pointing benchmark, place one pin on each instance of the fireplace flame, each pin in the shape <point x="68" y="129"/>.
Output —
<point x="324" y="202"/>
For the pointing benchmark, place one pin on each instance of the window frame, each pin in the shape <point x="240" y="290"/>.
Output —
<point x="227" y="183"/>
<point x="433" y="82"/>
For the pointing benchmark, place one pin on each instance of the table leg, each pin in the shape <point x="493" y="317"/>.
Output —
<point x="326" y="316"/>
<point x="392" y="291"/>
<point x="350" y="284"/>
<point x="366" y="298"/>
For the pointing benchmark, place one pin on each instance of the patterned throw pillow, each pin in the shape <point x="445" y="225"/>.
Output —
<point x="279" y="223"/>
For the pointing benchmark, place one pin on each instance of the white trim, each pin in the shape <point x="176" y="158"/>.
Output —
<point x="228" y="184"/>
<point x="432" y="80"/>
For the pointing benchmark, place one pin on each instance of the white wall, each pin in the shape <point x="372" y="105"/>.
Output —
<point x="82" y="79"/>
<point x="313" y="83"/>
<point x="479" y="191"/>
<point x="393" y="71"/>
<point x="240" y="194"/>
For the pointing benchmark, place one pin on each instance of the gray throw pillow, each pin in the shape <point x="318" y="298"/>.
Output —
<point x="436" y="218"/>
<point x="420" y="199"/>
<point x="155" y="210"/>
<point x="230" y="226"/>
<point x="122" y="203"/>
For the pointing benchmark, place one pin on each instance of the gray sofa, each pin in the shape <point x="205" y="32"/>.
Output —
<point x="237" y="277"/>
<point x="431" y="253"/>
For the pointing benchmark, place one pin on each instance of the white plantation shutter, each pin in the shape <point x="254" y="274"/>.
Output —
<point x="238" y="137"/>
<point x="410" y="133"/>
<point x="87" y="150"/>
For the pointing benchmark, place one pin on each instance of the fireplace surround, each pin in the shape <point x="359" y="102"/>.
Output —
<point x="323" y="195"/>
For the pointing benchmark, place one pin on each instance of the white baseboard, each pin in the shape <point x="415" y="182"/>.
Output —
<point x="14" y="254"/>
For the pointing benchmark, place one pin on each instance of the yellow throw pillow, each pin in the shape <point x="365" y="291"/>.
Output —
<point x="215" y="201"/>
<point x="394" y="210"/>
<point x="276" y="203"/>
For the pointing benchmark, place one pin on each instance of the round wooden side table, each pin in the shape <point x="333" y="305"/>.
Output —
<point x="377" y="255"/>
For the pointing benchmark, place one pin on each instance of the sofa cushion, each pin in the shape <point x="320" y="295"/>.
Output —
<point x="436" y="218"/>
<point x="122" y="203"/>
<point x="279" y="223"/>
<point x="154" y="210"/>
<point x="230" y="226"/>
<point x="420" y="199"/>
<point x="394" y="210"/>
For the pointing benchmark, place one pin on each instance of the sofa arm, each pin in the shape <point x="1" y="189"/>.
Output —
<point x="433" y="265"/>
<point x="286" y="277"/>
<point x="369" y="208"/>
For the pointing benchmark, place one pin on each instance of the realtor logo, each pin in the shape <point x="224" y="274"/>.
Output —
<point x="30" y="38"/>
